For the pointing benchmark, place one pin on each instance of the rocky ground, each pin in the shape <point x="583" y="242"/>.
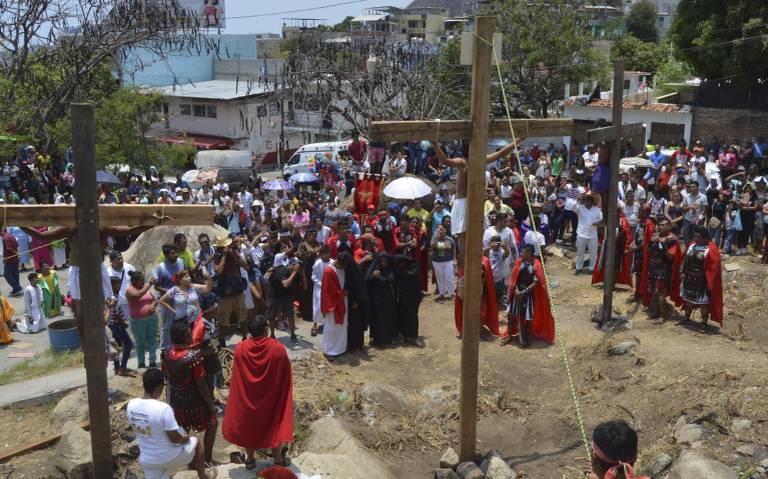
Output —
<point x="696" y="399"/>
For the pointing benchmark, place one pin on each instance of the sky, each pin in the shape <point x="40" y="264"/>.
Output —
<point x="271" y="13"/>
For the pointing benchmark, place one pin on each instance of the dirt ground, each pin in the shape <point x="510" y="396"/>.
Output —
<point x="525" y="407"/>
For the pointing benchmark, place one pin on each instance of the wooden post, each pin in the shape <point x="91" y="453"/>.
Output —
<point x="88" y="244"/>
<point x="613" y="187"/>
<point x="481" y="78"/>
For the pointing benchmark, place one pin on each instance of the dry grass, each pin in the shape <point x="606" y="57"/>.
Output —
<point x="42" y="364"/>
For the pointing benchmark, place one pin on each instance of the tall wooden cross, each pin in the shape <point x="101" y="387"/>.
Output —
<point x="87" y="216"/>
<point x="611" y="137"/>
<point x="479" y="129"/>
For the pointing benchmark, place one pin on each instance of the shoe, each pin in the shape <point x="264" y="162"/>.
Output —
<point x="153" y="365"/>
<point x="313" y="333"/>
<point x="142" y="366"/>
<point x="439" y="299"/>
<point x="577" y="272"/>
<point x="294" y="338"/>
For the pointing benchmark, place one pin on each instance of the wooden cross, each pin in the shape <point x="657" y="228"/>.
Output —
<point x="479" y="129"/>
<point x="613" y="134"/>
<point x="109" y="215"/>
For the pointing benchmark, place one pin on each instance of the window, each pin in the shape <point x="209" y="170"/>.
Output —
<point x="413" y="24"/>
<point x="261" y="111"/>
<point x="626" y="84"/>
<point x="185" y="110"/>
<point x="210" y="111"/>
<point x="198" y="110"/>
<point x="274" y="109"/>
<point x="661" y="21"/>
<point x="165" y="108"/>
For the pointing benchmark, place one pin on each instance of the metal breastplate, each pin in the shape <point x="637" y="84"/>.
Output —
<point x="183" y="390"/>
<point x="525" y="276"/>
<point x="694" y="263"/>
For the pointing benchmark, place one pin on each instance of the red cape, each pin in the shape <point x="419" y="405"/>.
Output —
<point x="714" y="274"/>
<point x="332" y="295"/>
<point x="625" y="275"/>
<point x="259" y="412"/>
<point x="642" y="285"/>
<point x="677" y="258"/>
<point x="422" y="258"/>
<point x="543" y="327"/>
<point x="490" y="306"/>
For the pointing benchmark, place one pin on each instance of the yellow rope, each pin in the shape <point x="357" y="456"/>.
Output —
<point x="558" y="331"/>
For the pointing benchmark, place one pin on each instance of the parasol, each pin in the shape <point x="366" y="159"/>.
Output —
<point x="276" y="185"/>
<point x="200" y="176"/>
<point x="304" y="178"/>
<point x="634" y="162"/>
<point x="407" y="188"/>
<point x="104" y="177"/>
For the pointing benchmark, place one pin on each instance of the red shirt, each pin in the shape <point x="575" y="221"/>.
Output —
<point x="357" y="150"/>
<point x="10" y="249"/>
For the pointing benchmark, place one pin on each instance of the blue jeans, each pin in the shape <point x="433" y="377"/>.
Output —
<point x="11" y="273"/>
<point x="145" y="332"/>
<point x="122" y="338"/>
<point x="688" y="230"/>
<point x="421" y="161"/>
<point x="729" y="237"/>
<point x="715" y="234"/>
<point x="166" y="321"/>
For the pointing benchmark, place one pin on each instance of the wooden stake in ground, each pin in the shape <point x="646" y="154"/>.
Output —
<point x="613" y="134"/>
<point x="88" y="245"/>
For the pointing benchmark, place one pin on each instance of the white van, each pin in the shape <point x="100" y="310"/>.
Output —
<point x="303" y="160"/>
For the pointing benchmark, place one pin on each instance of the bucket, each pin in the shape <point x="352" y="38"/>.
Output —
<point x="63" y="335"/>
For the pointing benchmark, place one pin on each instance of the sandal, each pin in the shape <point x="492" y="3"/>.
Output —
<point x="250" y="464"/>
<point x="313" y="333"/>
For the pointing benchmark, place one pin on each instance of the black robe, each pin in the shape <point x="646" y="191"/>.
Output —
<point x="357" y="307"/>
<point x="409" y="296"/>
<point x="382" y="295"/>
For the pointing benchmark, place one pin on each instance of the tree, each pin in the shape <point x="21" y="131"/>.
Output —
<point x="671" y="71"/>
<point x="55" y="51"/>
<point x="637" y="54"/>
<point x="723" y="39"/>
<point x="545" y="46"/>
<point x="641" y="21"/>
<point x="344" y="25"/>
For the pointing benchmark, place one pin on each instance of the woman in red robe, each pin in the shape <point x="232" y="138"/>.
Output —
<point x="490" y="306"/>
<point x="529" y="300"/>
<point x="259" y="411"/>
<point x="422" y="251"/>
<point x="701" y="286"/>
<point x="623" y="253"/>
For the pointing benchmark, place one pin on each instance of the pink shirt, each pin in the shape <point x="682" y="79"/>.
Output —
<point x="139" y="308"/>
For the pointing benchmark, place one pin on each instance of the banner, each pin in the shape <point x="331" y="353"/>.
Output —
<point x="210" y="13"/>
<point x="367" y="192"/>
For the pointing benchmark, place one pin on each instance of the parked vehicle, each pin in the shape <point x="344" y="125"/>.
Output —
<point x="303" y="160"/>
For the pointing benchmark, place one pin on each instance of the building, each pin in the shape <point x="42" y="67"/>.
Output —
<point x="426" y="23"/>
<point x="374" y="23"/>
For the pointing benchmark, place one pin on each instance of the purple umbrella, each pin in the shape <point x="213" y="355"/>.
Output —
<point x="277" y="185"/>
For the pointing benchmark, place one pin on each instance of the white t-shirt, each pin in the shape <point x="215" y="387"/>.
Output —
<point x="126" y="280"/>
<point x="150" y="419"/>
<point x="498" y="265"/>
<point x="590" y="160"/>
<point x="506" y="234"/>
<point x="535" y="239"/>
<point x="587" y="217"/>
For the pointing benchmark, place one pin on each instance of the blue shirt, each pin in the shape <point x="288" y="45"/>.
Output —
<point x="657" y="159"/>
<point x="164" y="273"/>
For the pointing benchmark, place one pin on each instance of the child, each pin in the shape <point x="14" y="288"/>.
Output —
<point x="119" y="327"/>
<point x="34" y="318"/>
<point x="732" y="225"/>
<point x="317" y="279"/>
<point x="497" y="254"/>
<point x="614" y="451"/>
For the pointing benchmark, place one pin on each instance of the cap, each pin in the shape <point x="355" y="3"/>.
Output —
<point x="741" y="168"/>
<point x="114" y="254"/>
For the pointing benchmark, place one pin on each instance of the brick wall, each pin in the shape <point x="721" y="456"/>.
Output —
<point x="728" y="124"/>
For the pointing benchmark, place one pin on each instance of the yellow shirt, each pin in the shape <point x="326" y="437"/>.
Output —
<point x="185" y="256"/>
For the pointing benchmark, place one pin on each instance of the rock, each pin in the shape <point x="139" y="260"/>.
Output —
<point x="130" y="450"/>
<point x="121" y="387"/>
<point x="130" y="473"/>
<point x="333" y="453"/>
<point x="444" y="473"/>
<point x="388" y="396"/>
<point x="469" y="470"/>
<point x="230" y="453"/>
<point x="143" y="252"/>
<point x="746" y="450"/>
<point x="498" y="469"/>
<point x="72" y="408"/>
<point x="681" y="421"/>
<point x="39" y="465"/>
<point x="689" y="434"/>
<point x="74" y="452"/>
<point x="622" y="348"/>
<point x="692" y="465"/>
<point x="764" y="463"/>
<point x="450" y="459"/>
<point x="739" y="425"/>
<point x="658" y="464"/>
<point x="233" y="471"/>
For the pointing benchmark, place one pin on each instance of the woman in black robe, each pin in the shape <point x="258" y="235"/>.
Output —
<point x="408" y="298"/>
<point x="357" y="307"/>
<point x="380" y="280"/>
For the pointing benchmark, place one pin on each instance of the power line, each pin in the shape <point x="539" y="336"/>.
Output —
<point x="321" y="7"/>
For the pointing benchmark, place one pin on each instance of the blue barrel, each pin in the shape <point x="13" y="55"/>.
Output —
<point x="63" y="335"/>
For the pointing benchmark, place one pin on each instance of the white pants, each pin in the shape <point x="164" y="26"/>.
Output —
<point x="163" y="471"/>
<point x="446" y="279"/>
<point x="581" y="246"/>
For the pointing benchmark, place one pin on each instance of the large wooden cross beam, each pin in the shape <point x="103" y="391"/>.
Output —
<point x="611" y="137"/>
<point x="479" y="129"/>
<point x="109" y="215"/>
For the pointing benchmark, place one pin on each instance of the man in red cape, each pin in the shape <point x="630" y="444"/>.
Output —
<point x="490" y="307"/>
<point x="259" y="411"/>
<point x="624" y="249"/>
<point x="702" y="279"/>
<point x="641" y="247"/>
<point x="534" y="295"/>
<point x="661" y="270"/>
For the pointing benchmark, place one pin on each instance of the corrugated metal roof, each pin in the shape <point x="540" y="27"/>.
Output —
<point x="214" y="90"/>
<point x="632" y="105"/>
<point x="369" y="18"/>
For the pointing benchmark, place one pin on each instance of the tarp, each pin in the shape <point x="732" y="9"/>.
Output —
<point x="223" y="159"/>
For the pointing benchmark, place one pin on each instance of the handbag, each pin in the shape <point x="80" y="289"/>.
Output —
<point x="714" y="223"/>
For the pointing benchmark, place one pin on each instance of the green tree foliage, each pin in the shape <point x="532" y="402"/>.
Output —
<point x="723" y="39"/>
<point x="455" y="78"/>
<point x="671" y="71"/>
<point x="545" y="46"/>
<point x="344" y="25"/>
<point x="637" y="54"/>
<point x="641" y="21"/>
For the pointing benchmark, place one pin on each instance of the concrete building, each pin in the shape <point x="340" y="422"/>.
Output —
<point x="427" y="23"/>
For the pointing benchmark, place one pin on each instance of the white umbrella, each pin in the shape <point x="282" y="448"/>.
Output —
<point x="634" y="162"/>
<point x="407" y="188"/>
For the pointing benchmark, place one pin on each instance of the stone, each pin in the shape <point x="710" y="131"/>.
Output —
<point x="39" y="465"/>
<point x="692" y="465"/>
<point x="389" y="397"/>
<point x="143" y="252"/>
<point x="658" y="464"/>
<point x="74" y="452"/>
<point x="764" y="463"/>
<point x="129" y="450"/>
<point x="498" y="469"/>
<point x="72" y="408"/>
<point x="622" y="348"/>
<point x="333" y="453"/>
<point x="746" y="450"/>
<point x="689" y="434"/>
<point x="444" y="473"/>
<point x="450" y="459"/>
<point x="740" y="425"/>
<point x="681" y="421"/>
<point x="469" y="470"/>
<point x="131" y="473"/>
<point x="233" y="471"/>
